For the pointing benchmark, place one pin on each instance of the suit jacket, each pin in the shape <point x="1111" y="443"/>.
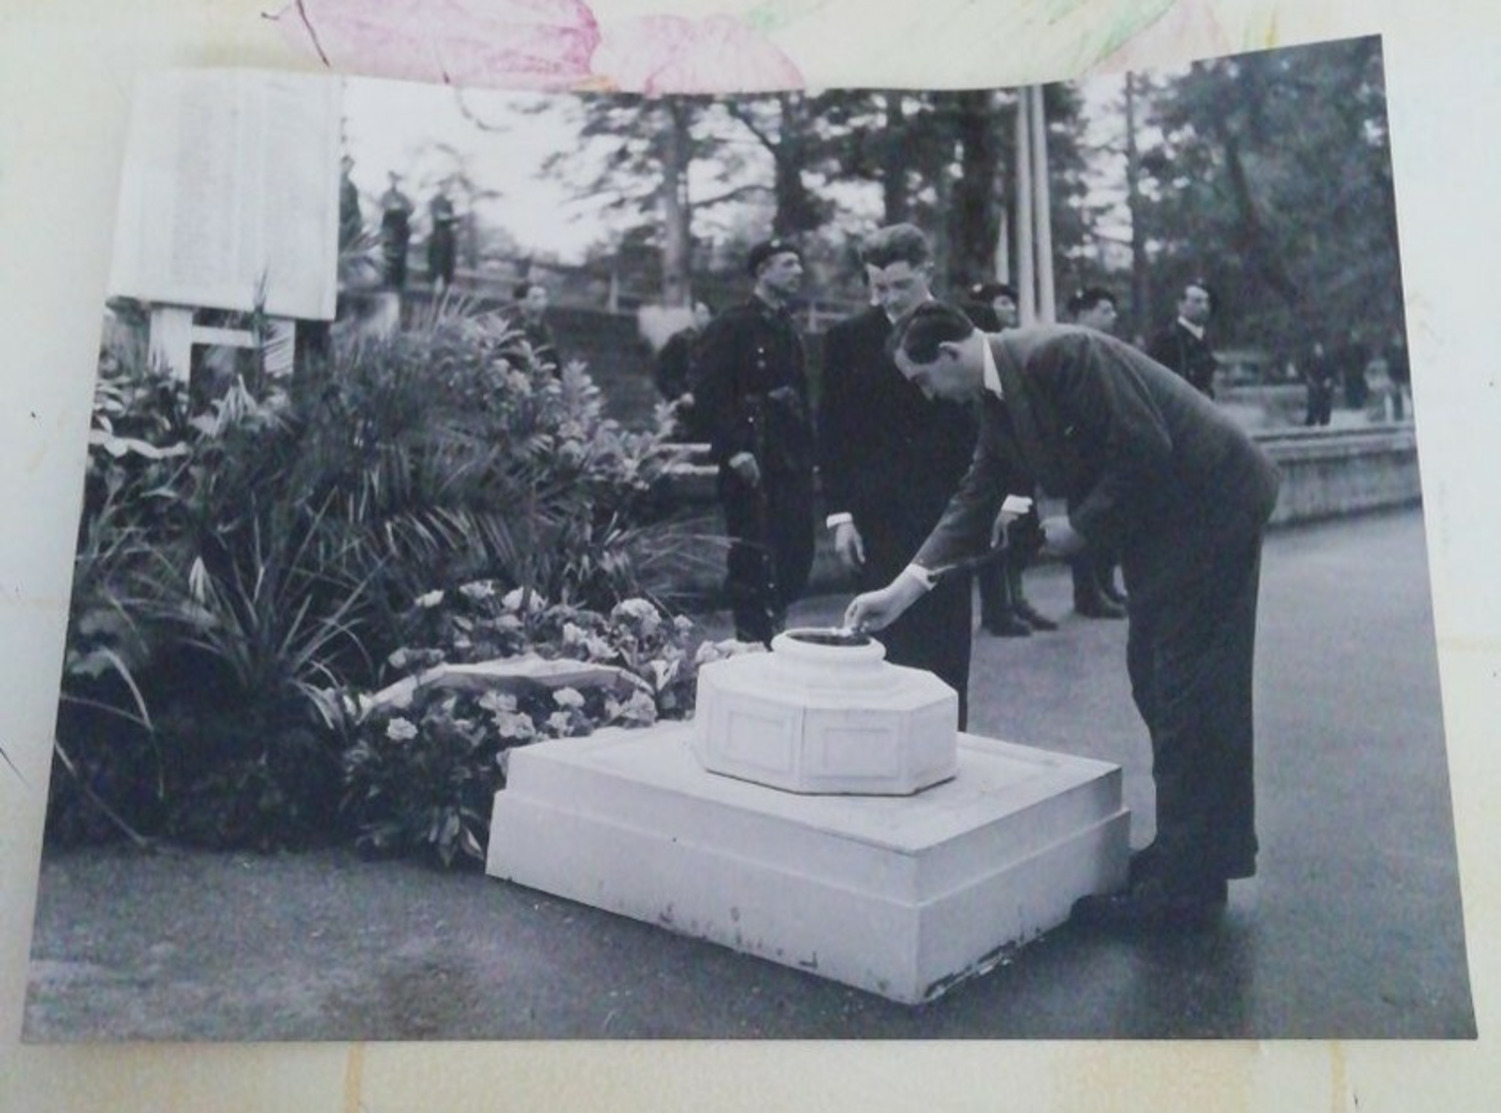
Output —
<point x="1150" y="466"/>
<point x="888" y="455"/>
<point x="1189" y="356"/>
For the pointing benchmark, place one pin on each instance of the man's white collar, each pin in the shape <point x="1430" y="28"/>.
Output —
<point x="1197" y="331"/>
<point x="991" y="376"/>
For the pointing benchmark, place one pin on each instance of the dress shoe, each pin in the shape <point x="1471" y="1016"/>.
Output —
<point x="1026" y="612"/>
<point x="1008" y="626"/>
<point x="1098" y="607"/>
<point x="1151" y="908"/>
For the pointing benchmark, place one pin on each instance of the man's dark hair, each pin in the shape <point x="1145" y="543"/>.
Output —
<point x="1088" y="298"/>
<point x="523" y="289"/>
<point x="1202" y="285"/>
<point x="893" y="243"/>
<point x="921" y="333"/>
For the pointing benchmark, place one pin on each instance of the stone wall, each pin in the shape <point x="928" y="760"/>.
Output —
<point x="1325" y="475"/>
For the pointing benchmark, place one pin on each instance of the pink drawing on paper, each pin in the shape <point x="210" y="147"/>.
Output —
<point x="536" y="44"/>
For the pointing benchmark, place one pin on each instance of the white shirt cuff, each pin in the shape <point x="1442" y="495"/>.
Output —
<point x="922" y="574"/>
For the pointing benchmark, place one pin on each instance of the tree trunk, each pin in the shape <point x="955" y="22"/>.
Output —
<point x="894" y="161"/>
<point x="677" y="214"/>
<point x="974" y="218"/>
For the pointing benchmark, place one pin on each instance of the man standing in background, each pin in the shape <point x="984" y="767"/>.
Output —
<point x="1183" y="346"/>
<point x="890" y="459"/>
<point x="1004" y="608"/>
<point x="749" y="383"/>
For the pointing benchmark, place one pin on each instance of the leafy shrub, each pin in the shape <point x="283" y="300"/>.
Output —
<point x="425" y="759"/>
<point x="240" y="563"/>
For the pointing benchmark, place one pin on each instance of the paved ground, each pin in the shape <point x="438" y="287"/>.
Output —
<point x="1353" y="927"/>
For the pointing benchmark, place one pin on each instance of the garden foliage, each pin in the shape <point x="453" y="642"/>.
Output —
<point x="244" y="559"/>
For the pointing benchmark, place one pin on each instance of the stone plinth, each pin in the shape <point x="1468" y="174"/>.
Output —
<point x="825" y="713"/>
<point x="899" y="895"/>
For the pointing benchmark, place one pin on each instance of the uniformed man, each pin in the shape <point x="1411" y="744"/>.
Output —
<point x="749" y="382"/>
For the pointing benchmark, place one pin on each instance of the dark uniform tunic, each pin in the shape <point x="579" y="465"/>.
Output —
<point x="749" y="380"/>
<point x="1189" y="356"/>
<point x="1151" y="467"/>
<point x="891" y="458"/>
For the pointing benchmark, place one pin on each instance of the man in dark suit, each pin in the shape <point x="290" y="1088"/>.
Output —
<point x="890" y="458"/>
<point x="749" y="382"/>
<point x="1004" y="607"/>
<point x="1183" y="346"/>
<point x="1153" y="468"/>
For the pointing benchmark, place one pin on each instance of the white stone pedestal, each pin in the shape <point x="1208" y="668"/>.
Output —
<point x="901" y="896"/>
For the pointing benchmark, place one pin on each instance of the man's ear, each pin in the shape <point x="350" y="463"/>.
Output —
<point x="952" y="348"/>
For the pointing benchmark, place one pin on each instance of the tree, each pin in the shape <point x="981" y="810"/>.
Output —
<point x="1273" y="177"/>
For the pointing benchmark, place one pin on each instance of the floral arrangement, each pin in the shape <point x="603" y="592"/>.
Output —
<point x="488" y="670"/>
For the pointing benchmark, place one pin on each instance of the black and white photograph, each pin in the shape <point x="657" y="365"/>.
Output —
<point x="856" y="563"/>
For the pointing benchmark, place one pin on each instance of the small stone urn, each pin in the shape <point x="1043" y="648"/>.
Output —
<point x="824" y="713"/>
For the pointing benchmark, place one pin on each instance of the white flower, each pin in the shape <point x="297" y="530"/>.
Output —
<point x="477" y="591"/>
<point x="572" y="633"/>
<point x="641" y="610"/>
<point x="430" y="600"/>
<point x="513" y="726"/>
<point x="399" y="729"/>
<point x="599" y="648"/>
<point x="497" y="702"/>
<point x="639" y="709"/>
<point x="560" y="722"/>
<point x="568" y="697"/>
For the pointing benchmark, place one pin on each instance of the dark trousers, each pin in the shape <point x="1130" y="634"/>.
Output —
<point x="771" y="548"/>
<point x="1190" y="657"/>
<point x="937" y="632"/>
<point x="1000" y="584"/>
<point x="1320" y="405"/>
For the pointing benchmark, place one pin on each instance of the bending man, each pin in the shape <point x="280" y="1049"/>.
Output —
<point x="1152" y="468"/>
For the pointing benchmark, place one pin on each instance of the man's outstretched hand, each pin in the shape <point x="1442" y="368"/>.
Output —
<point x="873" y="611"/>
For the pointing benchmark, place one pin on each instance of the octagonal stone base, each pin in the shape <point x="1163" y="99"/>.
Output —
<point x="824" y="718"/>
<point x="901" y="896"/>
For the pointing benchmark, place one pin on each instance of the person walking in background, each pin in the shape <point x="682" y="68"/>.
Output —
<point x="1319" y="375"/>
<point x="672" y="368"/>
<point x="890" y="458"/>
<point x="1399" y="372"/>
<point x="1350" y="359"/>
<point x="442" y="242"/>
<point x="748" y="377"/>
<point x="396" y="232"/>
<point x="1004" y="608"/>
<point x="1151" y="467"/>
<point x="351" y="219"/>
<point x="1093" y="570"/>
<point x="1184" y="345"/>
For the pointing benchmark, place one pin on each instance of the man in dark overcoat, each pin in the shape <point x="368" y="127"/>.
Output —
<point x="749" y="382"/>
<point x="890" y="458"/>
<point x="1154" y="469"/>
<point x="1184" y="345"/>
